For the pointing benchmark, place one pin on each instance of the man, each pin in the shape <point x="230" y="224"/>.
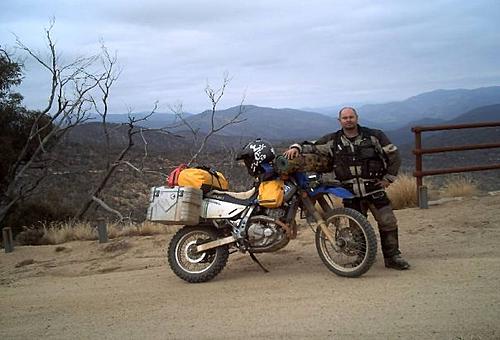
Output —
<point x="365" y="162"/>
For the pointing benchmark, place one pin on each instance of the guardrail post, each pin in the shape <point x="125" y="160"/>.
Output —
<point x="102" y="231"/>
<point x="8" y="242"/>
<point x="418" y="159"/>
<point x="423" y="201"/>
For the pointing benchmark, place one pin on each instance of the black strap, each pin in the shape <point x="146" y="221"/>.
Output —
<point x="212" y="172"/>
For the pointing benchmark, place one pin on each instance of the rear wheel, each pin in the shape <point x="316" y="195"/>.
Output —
<point x="355" y="245"/>
<point x="190" y="265"/>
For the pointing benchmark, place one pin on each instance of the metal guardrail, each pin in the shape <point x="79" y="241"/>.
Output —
<point x="419" y="152"/>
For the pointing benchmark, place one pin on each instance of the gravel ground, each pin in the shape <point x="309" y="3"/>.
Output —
<point x="85" y="290"/>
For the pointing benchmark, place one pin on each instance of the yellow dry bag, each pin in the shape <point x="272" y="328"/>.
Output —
<point x="202" y="178"/>
<point x="271" y="193"/>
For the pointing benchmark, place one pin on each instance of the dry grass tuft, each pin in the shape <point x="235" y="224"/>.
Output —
<point x="65" y="232"/>
<point x="57" y="233"/>
<point x="459" y="186"/>
<point x="143" y="229"/>
<point x="403" y="192"/>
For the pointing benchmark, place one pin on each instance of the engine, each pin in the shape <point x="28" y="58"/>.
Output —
<point x="265" y="234"/>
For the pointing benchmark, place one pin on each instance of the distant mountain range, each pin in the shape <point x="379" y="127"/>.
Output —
<point x="396" y="118"/>
<point x="438" y="104"/>
<point x="268" y="123"/>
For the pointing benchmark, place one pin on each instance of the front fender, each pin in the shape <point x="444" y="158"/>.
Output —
<point x="303" y="182"/>
<point x="337" y="191"/>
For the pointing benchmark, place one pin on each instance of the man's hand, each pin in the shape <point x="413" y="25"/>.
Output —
<point x="291" y="153"/>
<point x="383" y="183"/>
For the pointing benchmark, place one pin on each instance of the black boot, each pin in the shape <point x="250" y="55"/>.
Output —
<point x="390" y="249"/>
<point x="396" y="262"/>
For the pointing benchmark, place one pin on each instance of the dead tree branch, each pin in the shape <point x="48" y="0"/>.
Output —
<point x="215" y="95"/>
<point x="131" y="131"/>
<point x="70" y="99"/>
<point x="108" y="208"/>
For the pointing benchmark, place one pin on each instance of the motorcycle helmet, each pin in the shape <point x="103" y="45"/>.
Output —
<point x="255" y="154"/>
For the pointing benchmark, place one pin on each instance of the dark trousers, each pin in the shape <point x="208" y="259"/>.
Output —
<point x="380" y="206"/>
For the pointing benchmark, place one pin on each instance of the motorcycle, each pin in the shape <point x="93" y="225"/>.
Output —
<point x="239" y="221"/>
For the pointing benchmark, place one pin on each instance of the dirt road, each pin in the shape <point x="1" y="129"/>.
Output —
<point x="85" y="291"/>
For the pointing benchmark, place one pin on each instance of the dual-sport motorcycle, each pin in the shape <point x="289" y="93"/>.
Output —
<point x="232" y="221"/>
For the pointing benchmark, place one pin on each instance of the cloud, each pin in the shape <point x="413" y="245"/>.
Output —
<point x="282" y="53"/>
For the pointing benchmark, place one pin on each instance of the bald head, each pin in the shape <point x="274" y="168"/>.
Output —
<point x="349" y="110"/>
<point x="348" y="118"/>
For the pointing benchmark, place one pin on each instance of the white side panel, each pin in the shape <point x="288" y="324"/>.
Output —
<point x="212" y="208"/>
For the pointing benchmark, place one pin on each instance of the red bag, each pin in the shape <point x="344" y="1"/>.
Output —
<point x="173" y="178"/>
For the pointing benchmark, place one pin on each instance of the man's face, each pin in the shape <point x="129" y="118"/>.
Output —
<point x="348" y="119"/>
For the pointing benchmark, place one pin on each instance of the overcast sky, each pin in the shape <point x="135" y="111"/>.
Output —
<point x="279" y="53"/>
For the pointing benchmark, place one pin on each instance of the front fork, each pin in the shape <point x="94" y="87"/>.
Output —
<point x="309" y="205"/>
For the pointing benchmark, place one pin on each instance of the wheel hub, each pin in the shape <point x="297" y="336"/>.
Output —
<point x="192" y="255"/>
<point x="346" y="242"/>
<point x="341" y="242"/>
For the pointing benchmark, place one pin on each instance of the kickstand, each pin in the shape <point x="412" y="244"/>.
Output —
<point x="257" y="261"/>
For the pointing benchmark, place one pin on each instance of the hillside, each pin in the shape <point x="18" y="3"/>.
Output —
<point x="157" y="120"/>
<point x="489" y="113"/>
<point x="486" y="180"/>
<point x="470" y="136"/>
<point x="92" y="134"/>
<point x="481" y="114"/>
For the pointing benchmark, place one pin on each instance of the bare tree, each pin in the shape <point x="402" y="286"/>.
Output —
<point x="132" y="130"/>
<point x="215" y="95"/>
<point x="68" y="105"/>
<point x="100" y="105"/>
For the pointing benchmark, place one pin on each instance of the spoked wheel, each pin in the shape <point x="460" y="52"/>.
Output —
<point x="190" y="265"/>
<point x="355" y="245"/>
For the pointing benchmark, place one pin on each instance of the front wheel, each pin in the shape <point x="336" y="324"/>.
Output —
<point x="355" y="245"/>
<point x="190" y="265"/>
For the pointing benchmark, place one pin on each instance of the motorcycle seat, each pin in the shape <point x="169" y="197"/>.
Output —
<point x="244" y="195"/>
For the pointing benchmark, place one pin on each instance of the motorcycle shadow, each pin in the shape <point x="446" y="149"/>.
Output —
<point x="281" y="265"/>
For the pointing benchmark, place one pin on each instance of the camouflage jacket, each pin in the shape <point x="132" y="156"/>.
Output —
<point x="359" y="162"/>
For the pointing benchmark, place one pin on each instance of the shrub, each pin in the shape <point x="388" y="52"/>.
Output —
<point x="458" y="186"/>
<point x="403" y="192"/>
<point x="57" y="233"/>
<point x="36" y="213"/>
